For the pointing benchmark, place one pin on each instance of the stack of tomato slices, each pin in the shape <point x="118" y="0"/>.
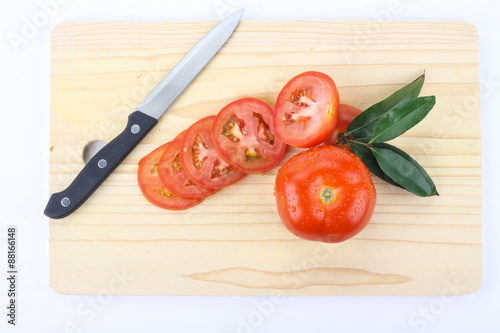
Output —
<point x="214" y="152"/>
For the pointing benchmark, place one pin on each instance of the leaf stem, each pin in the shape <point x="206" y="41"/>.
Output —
<point x="359" y="142"/>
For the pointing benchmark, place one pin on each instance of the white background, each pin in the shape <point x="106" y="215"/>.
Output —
<point x="24" y="132"/>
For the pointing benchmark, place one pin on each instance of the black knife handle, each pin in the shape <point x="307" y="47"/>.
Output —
<point x="63" y="203"/>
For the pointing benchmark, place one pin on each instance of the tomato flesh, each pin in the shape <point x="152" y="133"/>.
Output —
<point x="325" y="194"/>
<point x="173" y="176"/>
<point x="201" y="161"/>
<point x="306" y="110"/>
<point x="154" y="190"/>
<point x="243" y="135"/>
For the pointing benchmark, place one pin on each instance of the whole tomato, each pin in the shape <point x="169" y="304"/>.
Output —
<point x="325" y="194"/>
<point x="346" y="114"/>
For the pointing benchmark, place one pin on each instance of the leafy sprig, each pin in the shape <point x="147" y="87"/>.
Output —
<point x="367" y="134"/>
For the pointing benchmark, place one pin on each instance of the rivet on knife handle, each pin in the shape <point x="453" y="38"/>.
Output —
<point x="63" y="203"/>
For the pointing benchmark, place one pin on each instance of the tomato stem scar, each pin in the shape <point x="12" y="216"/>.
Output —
<point x="328" y="195"/>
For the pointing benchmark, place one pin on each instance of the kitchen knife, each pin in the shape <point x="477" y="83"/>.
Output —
<point x="141" y="121"/>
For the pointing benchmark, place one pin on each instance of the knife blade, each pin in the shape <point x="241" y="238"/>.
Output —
<point x="141" y="121"/>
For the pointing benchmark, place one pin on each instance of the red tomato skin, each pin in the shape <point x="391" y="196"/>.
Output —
<point x="300" y="182"/>
<point x="346" y="114"/>
<point x="319" y="127"/>
<point x="234" y="153"/>
<point x="152" y="187"/>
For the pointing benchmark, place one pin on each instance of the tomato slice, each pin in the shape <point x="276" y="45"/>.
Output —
<point x="243" y="135"/>
<point x="200" y="159"/>
<point x="154" y="190"/>
<point x="173" y="176"/>
<point x="306" y="110"/>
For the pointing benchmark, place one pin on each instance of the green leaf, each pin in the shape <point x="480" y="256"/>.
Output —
<point x="366" y="155"/>
<point x="403" y="169"/>
<point x="364" y="124"/>
<point x="401" y="118"/>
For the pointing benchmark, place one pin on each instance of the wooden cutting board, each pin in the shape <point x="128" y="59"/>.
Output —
<point x="234" y="243"/>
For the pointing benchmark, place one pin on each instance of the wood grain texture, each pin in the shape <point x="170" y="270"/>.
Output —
<point x="234" y="243"/>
